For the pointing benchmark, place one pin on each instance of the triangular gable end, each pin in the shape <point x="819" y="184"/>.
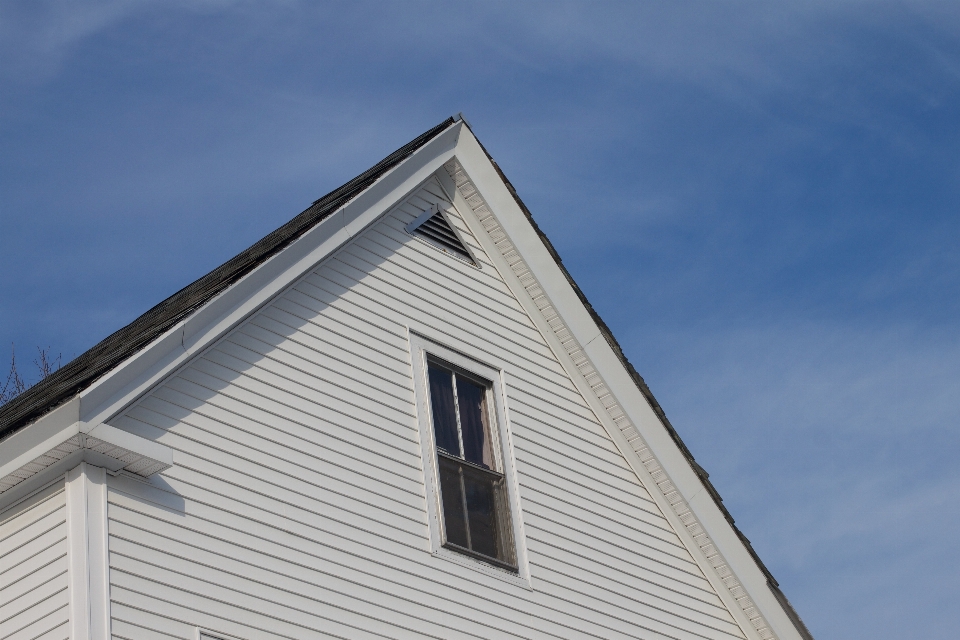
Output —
<point x="504" y="230"/>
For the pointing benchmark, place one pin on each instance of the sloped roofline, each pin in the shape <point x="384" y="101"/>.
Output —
<point x="81" y="372"/>
<point x="86" y="369"/>
<point x="641" y="384"/>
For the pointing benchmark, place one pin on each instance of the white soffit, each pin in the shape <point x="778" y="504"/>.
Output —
<point x="59" y="441"/>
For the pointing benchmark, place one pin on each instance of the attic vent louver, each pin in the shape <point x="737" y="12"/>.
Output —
<point x="433" y="227"/>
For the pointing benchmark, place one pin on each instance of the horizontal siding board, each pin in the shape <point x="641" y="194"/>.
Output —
<point x="406" y="272"/>
<point x="42" y="615"/>
<point x="393" y="242"/>
<point x="341" y="501"/>
<point x="390" y="561"/>
<point x="48" y="549"/>
<point x="319" y="569"/>
<point x="585" y="463"/>
<point x="628" y="614"/>
<point x="564" y="518"/>
<point x="33" y="530"/>
<point x="121" y="629"/>
<point x="552" y="507"/>
<point x="494" y="350"/>
<point x="543" y="487"/>
<point x="277" y="442"/>
<point x="245" y="355"/>
<point x="37" y="585"/>
<point x="326" y="412"/>
<point x="33" y="567"/>
<point x="193" y="602"/>
<point x="303" y="478"/>
<point x="306" y="592"/>
<point x="462" y="321"/>
<point x="615" y="486"/>
<point x="348" y="344"/>
<point x="304" y="367"/>
<point x="612" y="584"/>
<point x="218" y="370"/>
<point x="308" y="353"/>
<point x="42" y="504"/>
<point x="367" y="434"/>
<point x="568" y="534"/>
<point x="298" y="464"/>
<point x="54" y="626"/>
<point x="284" y="435"/>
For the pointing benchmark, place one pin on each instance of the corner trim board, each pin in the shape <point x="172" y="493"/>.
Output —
<point x="87" y="553"/>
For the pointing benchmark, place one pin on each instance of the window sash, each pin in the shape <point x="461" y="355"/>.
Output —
<point x="467" y="528"/>
<point x="489" y="448"/>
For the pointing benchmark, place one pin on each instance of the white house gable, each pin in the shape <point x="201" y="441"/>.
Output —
<point x="396" y="416"/>
<point x="297" y="507"/>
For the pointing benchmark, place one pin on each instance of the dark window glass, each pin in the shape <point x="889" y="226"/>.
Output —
<point x="476" y="515"/>
<point x="480" y="490"/>
<point x="444" y="414"/>
<point x="473" y="423"/>
<point x="454" y="516"/>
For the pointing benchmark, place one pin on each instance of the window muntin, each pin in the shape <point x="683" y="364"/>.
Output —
<point x="473" y="496"/>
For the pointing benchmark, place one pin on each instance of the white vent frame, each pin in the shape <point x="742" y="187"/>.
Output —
<point x="435" y="209"/>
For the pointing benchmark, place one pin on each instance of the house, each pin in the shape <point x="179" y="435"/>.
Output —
<point x="394" y="417"/>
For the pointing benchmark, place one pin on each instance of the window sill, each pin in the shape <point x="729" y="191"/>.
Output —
<point x="513" y="577"/>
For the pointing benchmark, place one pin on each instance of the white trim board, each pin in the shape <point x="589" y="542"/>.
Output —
<point x="59" y="441"/>
<point x="88" y="554"/>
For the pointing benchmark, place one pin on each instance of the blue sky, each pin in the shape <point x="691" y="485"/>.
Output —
<point x="761" y="199"/>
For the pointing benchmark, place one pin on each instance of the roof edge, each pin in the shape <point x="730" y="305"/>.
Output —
<point x="81" y="372"/>
<point x="651" y="399"/>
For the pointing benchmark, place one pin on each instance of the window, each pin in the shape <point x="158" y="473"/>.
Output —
<point x="471" y="488"/>
<point x="476" y="515"/>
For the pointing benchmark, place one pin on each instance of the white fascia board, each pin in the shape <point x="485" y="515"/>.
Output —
<point x="128" y="381"/>
<point x="551" y="278"/>
<point x="36" y="439"/>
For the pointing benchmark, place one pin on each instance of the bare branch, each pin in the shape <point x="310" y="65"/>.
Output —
<point x="14" y="384"/>
<point x="45" y="363"/>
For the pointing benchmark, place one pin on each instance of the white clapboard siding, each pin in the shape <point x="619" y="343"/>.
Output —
<point x="34" y="597"/>
<point x="296" y="507"/>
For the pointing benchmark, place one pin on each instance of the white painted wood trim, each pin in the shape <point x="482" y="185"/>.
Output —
<point x="87" y="553"/>
<point x="538" y="282"/>
<point x="58" y="442"/>
<point x="420" y="346"/>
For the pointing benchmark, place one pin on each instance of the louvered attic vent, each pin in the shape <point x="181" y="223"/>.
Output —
<point x="433" y="227"/>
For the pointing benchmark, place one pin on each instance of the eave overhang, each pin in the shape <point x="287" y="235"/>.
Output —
<point x="59" y="441"/>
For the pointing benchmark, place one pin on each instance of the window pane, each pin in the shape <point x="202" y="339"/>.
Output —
<point x="441" y="404"/>
<point x="473" y="423"/>
<point x="485" y="510"/>
<point x="452" y="497"/>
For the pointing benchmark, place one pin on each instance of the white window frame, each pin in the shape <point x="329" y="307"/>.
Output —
<point x="420" y="348"/>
